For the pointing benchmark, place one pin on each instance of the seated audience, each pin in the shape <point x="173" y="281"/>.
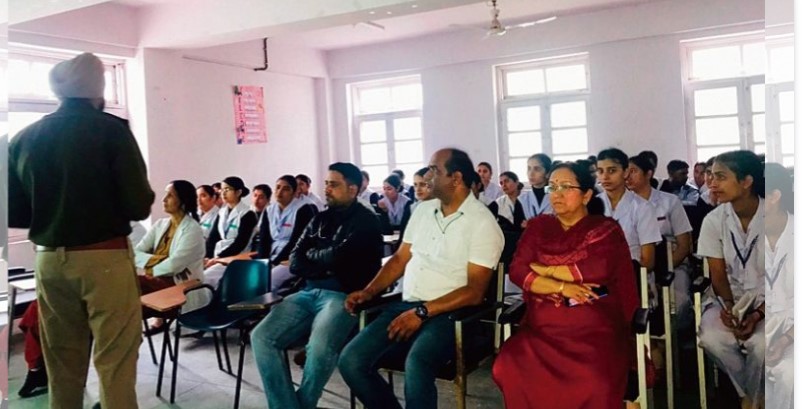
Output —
<point x="447" y="256"/>
<point x="535" y="200"/>
<point x="636" y="216"/>
<point x="260" y="199"/>
<point x="218" y="190"/>
<point x="393" y="207"/>
<point x="570" y="356"/>
<point x="233" y="232"/>
<point x="366" y="194"/>
<point x="779" y="287"/>
<point x="287" y="218"/>
<point x="172" y="251"/>
<point x="698" y="181"/>
<point x="492" y="190"/>
<point x="339" y="251"/>
<point x="423" y="188"/>
<point x="508" y="209"/>
<point x="305" y="193"/>
<point x="732" y="239"/>
<point x="207" y="209"/>
<point x="407" y="191"/>
<point x="677" y="183"/>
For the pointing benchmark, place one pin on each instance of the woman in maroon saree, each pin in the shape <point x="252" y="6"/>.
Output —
<point x="570" y="357"/>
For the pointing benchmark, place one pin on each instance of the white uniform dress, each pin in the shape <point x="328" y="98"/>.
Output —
<point x="780" y="317"/>
<point x="533" y="208"/>
<point x="491" y="193"/>
<point x="637" y="218"/>
<point x="673" y="221"/>
<point x="722" y="237"/>
<point x="228" y="226"/>
<point x="207" y="221"/>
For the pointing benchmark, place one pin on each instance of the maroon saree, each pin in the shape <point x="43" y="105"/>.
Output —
<point x="571" y="357"/>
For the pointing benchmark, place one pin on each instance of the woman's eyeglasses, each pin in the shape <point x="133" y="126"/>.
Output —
<point x="560" y="188"/>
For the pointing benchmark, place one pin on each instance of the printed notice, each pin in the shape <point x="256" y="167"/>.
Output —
<point x="249" y="114"/>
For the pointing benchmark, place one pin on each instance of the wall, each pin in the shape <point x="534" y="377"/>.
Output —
<point x="635" y="61"/>
<point x="190" y="123"/>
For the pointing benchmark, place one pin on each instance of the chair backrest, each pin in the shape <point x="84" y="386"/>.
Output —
<point x="495" y="289"/>
<point x="243" y="280"/>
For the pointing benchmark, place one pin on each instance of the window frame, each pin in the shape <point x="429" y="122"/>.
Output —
<point x="356" y="119"/>
<point x="544" y="101"/>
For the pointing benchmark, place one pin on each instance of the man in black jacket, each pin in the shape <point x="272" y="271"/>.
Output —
<point x="339" y="252"/>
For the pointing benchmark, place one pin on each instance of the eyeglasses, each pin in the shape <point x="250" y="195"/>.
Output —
<point x="560" y="188"/>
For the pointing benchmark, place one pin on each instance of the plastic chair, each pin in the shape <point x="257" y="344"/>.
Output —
<point x="243" y="280"/>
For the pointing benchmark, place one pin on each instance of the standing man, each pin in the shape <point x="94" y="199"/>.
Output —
<point x="449" y="251"/>
<point x="339" y="251"/>
<point x="76" y="180"/>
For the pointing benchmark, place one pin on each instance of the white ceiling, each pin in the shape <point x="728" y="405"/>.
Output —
<point x="429" y="22"/>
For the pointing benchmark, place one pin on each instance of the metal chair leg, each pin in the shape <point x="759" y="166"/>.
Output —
<point x="150" y="341"/>
<point x="224" y="336"/>
<point x="217" y="351"/>
<point x="669" y="338"/>
<point x="175" y="362"/>
<point x="161" y="363"/>
<point x="460" y="380"/>
<point x="239" y="369"/>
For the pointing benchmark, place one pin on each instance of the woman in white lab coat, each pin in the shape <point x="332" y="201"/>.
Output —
<point x="233" y="232"/>
<point x="207" y="208"/>
<point x="172" y="250"/>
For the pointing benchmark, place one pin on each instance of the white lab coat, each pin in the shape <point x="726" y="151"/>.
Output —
<point x="186" y="249"/>
<point x="207" y="221"/>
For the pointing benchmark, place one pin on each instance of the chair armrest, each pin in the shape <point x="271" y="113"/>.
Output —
<point x="261" y="302"/>
<point x="473" y="312"/>
<point x="640" y="320"/>
<point x="700" y="284"/>
<point x="377" y="303"/>
<point x="19" y="273"/>
<point x="513" y="314"/>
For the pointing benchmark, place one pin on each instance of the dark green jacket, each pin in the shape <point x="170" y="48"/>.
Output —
<point x="76" y="177"/>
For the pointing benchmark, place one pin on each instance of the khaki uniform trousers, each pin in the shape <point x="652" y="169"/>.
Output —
<point x="85" y="296"/>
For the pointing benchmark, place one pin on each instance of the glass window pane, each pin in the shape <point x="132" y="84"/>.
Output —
<point x="374" y="154"/>
<point x="704" y="154"/>
<point x="716" y="101"/>
<point x="108" y="92"/>
<point x="409" y="171"/>
<point x="374" y="100"/>
<point x="788" y="161"/>
<point x="525" y="82"/>
<point x="407" y="128"/>
<point x="787" y="139"/>
<point x="377" y="174"/>
<point x="17" y="121"/>
<point x="525" y="143"/>
<point x="759" y="128"/>
<point x="569" y="77"/>
<point x="760" y="148"/>
<point x="758" y="92"/>
<point x="523" y="118"/>
<point x="407" y="96"/>
<point x="372" y="131"/>
<point x="720" y="62"/>
<point x="568" y="114"/>
<point x="786" y="106"/>
<point x="41" y="86"/>
<point x="717" y="131"/>
<point x="572" y="157"/>
<point x="754" y="58"/>
<point x="518" y="166"/>
<point x="569" y="140"/>
<point x="18" y="70"/>
<point x="409" y="151"/>
<point x="781" y="64"/>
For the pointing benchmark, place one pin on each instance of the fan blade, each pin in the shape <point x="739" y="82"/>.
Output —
<point x="532" y="23"/>
<point x="371" y="24"/>
<point x="468" y="27"/>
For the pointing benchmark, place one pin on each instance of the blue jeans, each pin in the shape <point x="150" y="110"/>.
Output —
<point x="428" y="350"/>
<point x="316" y="314"/>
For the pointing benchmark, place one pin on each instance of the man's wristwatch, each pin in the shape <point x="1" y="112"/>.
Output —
<point x="422" y="312"/>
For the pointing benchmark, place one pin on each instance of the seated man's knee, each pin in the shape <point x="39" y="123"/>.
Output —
<point x="352" y="362"/>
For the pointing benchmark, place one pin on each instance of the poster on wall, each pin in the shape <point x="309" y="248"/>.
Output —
<point x="249" y="114"/>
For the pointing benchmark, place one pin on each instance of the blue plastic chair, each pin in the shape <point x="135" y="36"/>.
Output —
<point x="242" y="280"/>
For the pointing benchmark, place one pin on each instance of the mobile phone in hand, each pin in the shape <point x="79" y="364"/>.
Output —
<point x="601" y="291"/>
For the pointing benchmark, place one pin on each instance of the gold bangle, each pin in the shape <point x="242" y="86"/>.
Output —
<point x="562" y="287"/>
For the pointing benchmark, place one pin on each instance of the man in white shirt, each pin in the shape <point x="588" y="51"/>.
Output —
<point x="451" y="245"/>
<point x="304" y="192"/>
<point x="492" y="190"/>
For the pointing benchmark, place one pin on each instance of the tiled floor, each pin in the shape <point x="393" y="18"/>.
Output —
<point x="201" y="385"/>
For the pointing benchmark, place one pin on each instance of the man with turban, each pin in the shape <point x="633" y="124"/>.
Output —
<point x="76" y="181"/>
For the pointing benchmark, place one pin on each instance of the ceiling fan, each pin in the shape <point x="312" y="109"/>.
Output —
<point x="497" y="29"/>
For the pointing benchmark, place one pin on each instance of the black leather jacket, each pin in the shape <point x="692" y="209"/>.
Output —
<point x="342" y="243"/>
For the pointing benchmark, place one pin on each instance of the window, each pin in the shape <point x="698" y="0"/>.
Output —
<point x="30" y="96"/>
<point x="780" y="100"/>
<point x="543" y="107"/>
<point x="726" y="94"/>
<point x="386" y="126"/>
